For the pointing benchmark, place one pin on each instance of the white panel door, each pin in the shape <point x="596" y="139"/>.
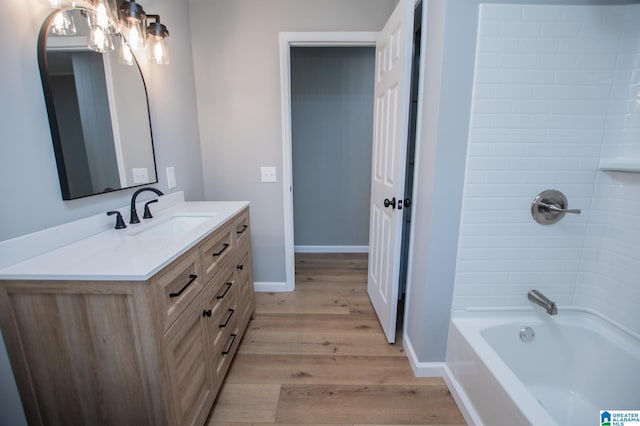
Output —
<point x="390" y="127"/>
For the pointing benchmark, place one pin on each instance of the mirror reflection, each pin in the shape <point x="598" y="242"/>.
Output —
<point x="98" y="113"/>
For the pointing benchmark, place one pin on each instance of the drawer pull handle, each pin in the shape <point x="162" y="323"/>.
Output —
<point x="225" y="292"/>
<point x="192" y="278"/>
<point x="244" y="228"/>
<point x="240" y="267"/>
<point x="233" y="338"/>
<point x="207" y="313"/>
<point x="231" y="311"/>
<point x="224" y="247"/>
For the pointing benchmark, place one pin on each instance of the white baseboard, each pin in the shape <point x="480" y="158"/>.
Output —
<point x="422" y="369"/>
<point x="462" y="400"/>
<point x="270" y="287"/>
<point x="331" y="249"/>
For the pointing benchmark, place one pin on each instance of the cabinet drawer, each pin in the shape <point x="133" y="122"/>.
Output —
<point x="241" y="228"/>
<point x="177" y="285"/>
<point x="216" y="250"/>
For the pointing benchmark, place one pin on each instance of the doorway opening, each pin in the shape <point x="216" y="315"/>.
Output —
<point x="287" y="42"/>
<point x="332" y="133"/>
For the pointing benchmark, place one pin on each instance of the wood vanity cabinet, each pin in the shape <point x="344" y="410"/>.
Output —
<point x="132" y="352"/>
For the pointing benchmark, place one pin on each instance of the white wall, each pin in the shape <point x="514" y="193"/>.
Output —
<point x="542" y="105"/>
<point x="237" y="68"/>
<point x="29" y="185"/>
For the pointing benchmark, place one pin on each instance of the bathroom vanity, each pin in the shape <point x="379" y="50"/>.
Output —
<point x="135" y="326"/>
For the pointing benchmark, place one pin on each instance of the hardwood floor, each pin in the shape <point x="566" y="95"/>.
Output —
<point x="319" y="356"/>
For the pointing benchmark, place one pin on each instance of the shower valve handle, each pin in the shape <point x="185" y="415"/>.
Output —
<point x="556" y="208"/>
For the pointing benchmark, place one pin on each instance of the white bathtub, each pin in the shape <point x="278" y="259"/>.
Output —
<point x="577" y="364"/>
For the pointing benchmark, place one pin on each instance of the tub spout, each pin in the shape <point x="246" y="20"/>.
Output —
<point x="540" y="299"/>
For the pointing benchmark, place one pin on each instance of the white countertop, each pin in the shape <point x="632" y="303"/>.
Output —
<point x="124" y="254"/>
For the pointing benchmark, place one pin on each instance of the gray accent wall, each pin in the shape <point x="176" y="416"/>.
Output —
<point x="332" y="92"/>
<point x="237" y="68"/>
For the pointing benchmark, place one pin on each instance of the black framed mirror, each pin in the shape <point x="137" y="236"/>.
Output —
<point x="98" y="114"/>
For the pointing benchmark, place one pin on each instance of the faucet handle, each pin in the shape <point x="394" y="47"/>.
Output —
<point x="147" y="211"/>
<point x="119" y="221"/>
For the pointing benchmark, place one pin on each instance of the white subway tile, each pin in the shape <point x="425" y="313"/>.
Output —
<point x="517" y="60"/>
<point x="596" y="62"/>
<point x="512" y="121"/>
<point x="513" y="91"/>
<point x="539" y="13"/>
<point x="487" y="61"/>
<point x="497" y="44"/>
<point x="520" y="29"/>
<point x="535" y="76"/>
<point x="531" y="107"/>
<point x="556" y="61"/>
<point x="561" y="30"/>
<point x="538" y="46"/>
<point x="592" y="46"/>
<point x="486" y="106"/>
<point x="548" y="122"/>
<point x="495" y="76"/>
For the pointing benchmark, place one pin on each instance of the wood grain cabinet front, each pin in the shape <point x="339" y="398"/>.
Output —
<point x="149" y="352"/>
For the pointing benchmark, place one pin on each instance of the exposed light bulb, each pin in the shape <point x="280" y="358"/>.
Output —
<point x="99" y="40"/>
<point x="63" y="23"/>
<point x="102" y="18"/>
<point x="126" y="55"/>
<point x="134" y="36"/>
<point x="158" y="51"/>
<point x="58" y="23"/>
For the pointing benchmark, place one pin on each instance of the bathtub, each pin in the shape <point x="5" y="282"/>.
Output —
<point x="577" y="364"/>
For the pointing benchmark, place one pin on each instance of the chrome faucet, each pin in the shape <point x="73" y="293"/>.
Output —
<point x="540" y="299"/>
<point x="134" y="213"/>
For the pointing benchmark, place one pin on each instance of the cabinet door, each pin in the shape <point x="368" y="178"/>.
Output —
<point x="189" y="366"/>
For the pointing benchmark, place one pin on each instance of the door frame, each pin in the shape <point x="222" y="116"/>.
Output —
<point x="288" y="40"/>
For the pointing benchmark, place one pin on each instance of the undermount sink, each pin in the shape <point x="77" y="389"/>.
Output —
<point x="173" y="226"/>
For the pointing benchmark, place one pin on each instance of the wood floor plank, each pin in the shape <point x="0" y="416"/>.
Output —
<point x="324" y="343"/>
<point x="322" y="370"/>
<point x="302" y="302"/>
<point x="316" y="323"/>
<point x="367" y="404"/>
<point x="246" y="403"/>
<point x="332" y="260"/>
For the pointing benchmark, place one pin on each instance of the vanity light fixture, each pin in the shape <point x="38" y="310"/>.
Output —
<point x="109" y="26"/>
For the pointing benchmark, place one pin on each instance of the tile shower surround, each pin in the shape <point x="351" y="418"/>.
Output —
<point x="555" y="88"/>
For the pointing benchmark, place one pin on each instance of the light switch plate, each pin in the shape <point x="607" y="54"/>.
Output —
<point x="171" y="177"/>
<point x="268" y="174"/>
<point x="140" y="175"/>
